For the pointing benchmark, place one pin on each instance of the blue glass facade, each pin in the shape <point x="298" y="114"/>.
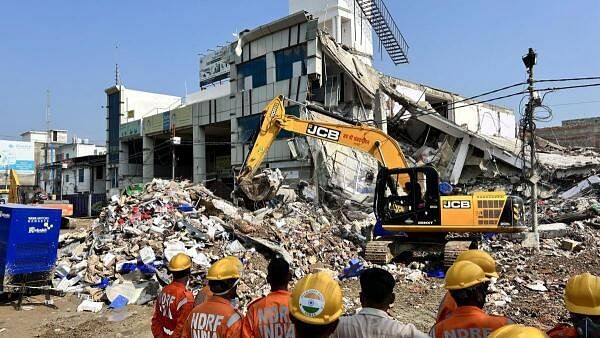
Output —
<point x="284" y="61"/>
<point x="248" y="125"/>
<point x="114" y="123"/>
<point x="256" y="68"/>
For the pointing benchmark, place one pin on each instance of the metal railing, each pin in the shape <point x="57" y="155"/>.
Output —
<point x="386" y="29"/>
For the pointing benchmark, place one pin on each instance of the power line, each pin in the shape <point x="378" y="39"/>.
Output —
<point x="570" y="79"/>
<point x="574" y="103"/>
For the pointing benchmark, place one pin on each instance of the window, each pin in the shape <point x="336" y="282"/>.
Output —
<point x="81" y="175"/>
<point x="130" y="114"/>
<point x="248" y="125"/>
<point x="100" y="172"/>
<point x="67" y="178"/>
<point x="54" y="136"/>
<point x="67" y="156"/>
<point x="285" y="60"/>
<point x="256" y="68"/>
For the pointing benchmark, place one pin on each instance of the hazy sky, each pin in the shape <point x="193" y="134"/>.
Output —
<point x="468" y="47"/>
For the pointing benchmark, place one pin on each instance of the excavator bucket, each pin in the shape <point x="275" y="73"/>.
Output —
<point x="261" y="187"/>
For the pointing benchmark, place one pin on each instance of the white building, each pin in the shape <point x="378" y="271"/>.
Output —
<point x="343" y="20"/>
<point x="79" y="148"/>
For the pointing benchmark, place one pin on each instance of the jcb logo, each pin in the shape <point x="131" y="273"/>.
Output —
<point x="457" y="205"/>
<point x="323" y="132"/>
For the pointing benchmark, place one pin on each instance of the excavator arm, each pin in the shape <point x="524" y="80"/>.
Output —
<point x="360" y="137"/>
<point x="13" y="194"/>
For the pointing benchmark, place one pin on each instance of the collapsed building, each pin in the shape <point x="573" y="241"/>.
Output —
<point x="324" y="61"/>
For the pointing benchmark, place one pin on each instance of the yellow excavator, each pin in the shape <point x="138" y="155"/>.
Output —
<point x="17" y="191"/>
<point x="407" y="199"/>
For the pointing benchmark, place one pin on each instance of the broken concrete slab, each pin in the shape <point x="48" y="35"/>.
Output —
<point x="570" y="245"/>
<point x="581" y="187"/>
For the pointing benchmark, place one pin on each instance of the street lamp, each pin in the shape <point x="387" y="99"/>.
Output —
<point x="530" y="59"/>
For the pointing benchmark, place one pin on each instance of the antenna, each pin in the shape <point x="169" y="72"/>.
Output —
<point x="48" y="115"/>
<point x="117" y="80"/>
<point x="116" y="74"/>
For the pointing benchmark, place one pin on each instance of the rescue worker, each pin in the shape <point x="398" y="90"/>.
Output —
<point x="582" y="299"/>
<point x="479" y="257"/>
<point x="468" y="285"/>
<point x="376" y="297"/>
<point x="518" y="331"/>
<point x="217" y="317"/>
<point x="174" y="302"/>
<point x="269" y="316"/>
<point x="315" y="306"/>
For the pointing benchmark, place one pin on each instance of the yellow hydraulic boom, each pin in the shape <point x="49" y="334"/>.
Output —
<point x="361" y="137"/>
<point x="13" y="194"/>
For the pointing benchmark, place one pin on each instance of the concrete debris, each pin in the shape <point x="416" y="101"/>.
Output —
<point x="127" y="250"/>
<point x="581" y="187"/>
<point x="537" y="286"/>
<point x="570" y="245"/>
<point x="90" y="306"/>
<point x="112" y="262"/>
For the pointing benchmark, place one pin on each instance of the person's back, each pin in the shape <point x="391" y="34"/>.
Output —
<point x="268" y="316"/>
<point x="174" y="302"/>
<point x="467" y="284"/>
<point x="216" y="317"/>
<point x="376" y="296"/>
<point x="468" y="322"/>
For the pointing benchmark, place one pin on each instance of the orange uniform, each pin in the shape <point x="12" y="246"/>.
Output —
<point x="203" y="295"/>
<point x="468" y="322"/>
<point x="446" y="307"/>
<point x="269" y="317"/>
<point x="171" y="309"/>
<point x="563" y="331"/>
<point x="215" y="318"/>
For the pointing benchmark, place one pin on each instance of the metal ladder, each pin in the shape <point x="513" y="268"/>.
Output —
<point x="386" y="29"/>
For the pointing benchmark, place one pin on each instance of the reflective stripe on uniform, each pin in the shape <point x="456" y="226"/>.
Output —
<point x="234" y="318"/>
<point x="182" y="303"/>
<point x="167" y="331"/>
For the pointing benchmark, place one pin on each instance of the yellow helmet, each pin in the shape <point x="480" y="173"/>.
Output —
<point x="464" y="274"/>
<point x="316" y="299"/>
<point x="518" y="331"/>
<point x="481" y="258"/>
<point x="180" y="262"/>
<point x="582" y="294"/>
<point x="229" y="267"/>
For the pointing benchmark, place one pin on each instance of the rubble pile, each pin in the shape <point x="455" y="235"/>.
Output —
<point x="531" y="285"/>
<point x="126" y="251"/>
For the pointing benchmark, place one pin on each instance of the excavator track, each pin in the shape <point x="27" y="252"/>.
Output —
<point x="453" y="249"/>
<point x="379" y="252"/>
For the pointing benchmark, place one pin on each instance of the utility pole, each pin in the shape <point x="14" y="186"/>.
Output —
<point x="174" y="141"/>
<point x="528" y="139"/>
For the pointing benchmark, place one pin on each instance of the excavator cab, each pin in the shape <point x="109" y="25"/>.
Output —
<point x="407" y="196"/>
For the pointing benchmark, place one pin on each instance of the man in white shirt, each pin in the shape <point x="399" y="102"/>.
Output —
<point x="376" y="296"/>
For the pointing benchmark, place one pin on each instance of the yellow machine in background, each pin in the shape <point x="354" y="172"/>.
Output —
<point x="15" y="196"/>
<point x="407" y="199"/>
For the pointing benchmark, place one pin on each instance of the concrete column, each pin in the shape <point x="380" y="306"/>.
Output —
<point x="147" y="158"/>
<point x="199" y="150"/>
<point x="379" y="114"/>
<point x="237" y="149"/>
<point x="461" y="157"/>
<point x="337" y="28"/>
<point x="124" y="174"/>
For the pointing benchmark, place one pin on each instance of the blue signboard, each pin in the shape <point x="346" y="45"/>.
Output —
<point x="167" y="120"/>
